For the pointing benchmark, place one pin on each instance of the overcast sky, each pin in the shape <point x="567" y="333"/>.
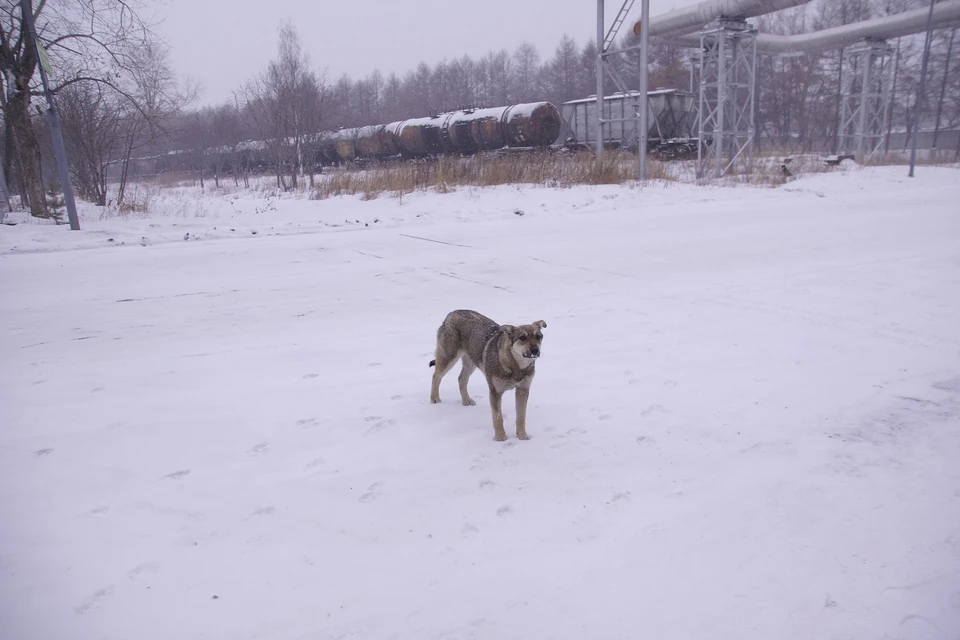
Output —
<point x="221" y="43"/>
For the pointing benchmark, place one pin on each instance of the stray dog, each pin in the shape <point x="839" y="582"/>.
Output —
<point x="506" y="355"/>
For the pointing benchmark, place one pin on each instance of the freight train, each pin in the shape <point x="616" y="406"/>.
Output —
<point x="462" y="132"/>
<point x="519" y="127"/>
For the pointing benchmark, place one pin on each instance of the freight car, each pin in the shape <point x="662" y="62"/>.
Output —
<point x="462" y="132"/>
<point x="671" y="112"/>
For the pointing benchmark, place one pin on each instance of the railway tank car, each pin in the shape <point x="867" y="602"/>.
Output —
<point x="462" y="132"/>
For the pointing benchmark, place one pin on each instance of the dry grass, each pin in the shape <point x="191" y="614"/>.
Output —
<point x="772" y="170"/>
<point x="554" y="169"/>
<point x="927" y="157"/>
<point x="447" y="174"/>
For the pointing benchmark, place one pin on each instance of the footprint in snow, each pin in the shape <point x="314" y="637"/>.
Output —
<point x="137" y="571"/>
<point x="93" y="600"/>
<point x="380" y="426"/>
<point x="373" y="492"/>
<point x="316" y="462"/>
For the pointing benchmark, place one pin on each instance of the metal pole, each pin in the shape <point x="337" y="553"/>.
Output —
<point x="56" y="135"/>
<point x="923" y="82"/>
<point x="701" y="98"/>
<point x="644" y="101"/>
<point x="599" y="80"/>
<point x="841" y="107"/>
<point x="893" y="97"/>
<point x="720" y="129"/>
<point x="754" y="138"/>
<point x="864" y="106"/>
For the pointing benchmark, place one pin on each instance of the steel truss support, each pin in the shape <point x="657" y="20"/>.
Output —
<point x="728" y="64"/>
<point x="604" y="69"/>
<point x="864" y="99"/>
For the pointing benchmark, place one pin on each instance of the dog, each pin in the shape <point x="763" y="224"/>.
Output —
<point x="505" y="354"/>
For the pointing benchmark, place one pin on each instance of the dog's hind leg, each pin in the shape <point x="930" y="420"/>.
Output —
<point x="444" y="363"/>
<point x="468" y="369"/>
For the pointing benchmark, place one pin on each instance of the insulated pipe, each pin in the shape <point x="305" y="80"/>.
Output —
<point x="945" y="14"/>
<point x="687" y="19"/>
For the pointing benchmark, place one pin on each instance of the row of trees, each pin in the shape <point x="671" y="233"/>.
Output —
<point x="120" y="100"/>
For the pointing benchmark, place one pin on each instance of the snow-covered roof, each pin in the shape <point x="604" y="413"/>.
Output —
<point x="630" y="94"/>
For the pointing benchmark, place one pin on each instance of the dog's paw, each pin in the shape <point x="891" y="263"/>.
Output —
<point x="523" y="436"/>
<point x="500" y="437"/>
<point x="469" y="402"/>
<point x="434" y="400"/>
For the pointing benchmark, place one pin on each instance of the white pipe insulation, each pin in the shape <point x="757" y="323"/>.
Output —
<point x="692" y="18"/>
<point x="946" y="14"/>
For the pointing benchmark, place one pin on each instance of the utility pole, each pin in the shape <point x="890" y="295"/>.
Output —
<point x="644" y="124"/>
<point x="56" y="134"/>
<point x="923" y="81"/>
<point x="600" y="81"/>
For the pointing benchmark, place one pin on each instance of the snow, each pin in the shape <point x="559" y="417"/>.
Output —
<point x="744" y="423"/>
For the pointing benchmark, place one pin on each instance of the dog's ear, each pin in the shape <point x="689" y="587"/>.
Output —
<point x="509" y="328"/>
<point x="541" y="324"/>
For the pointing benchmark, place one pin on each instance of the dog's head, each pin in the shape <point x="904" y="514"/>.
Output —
<point x="525" y="341"/>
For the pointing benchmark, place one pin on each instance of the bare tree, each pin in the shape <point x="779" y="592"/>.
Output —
<point x="562" y="71"/>
<point x="87" y="41"/>
<point x="92" y="119"/>
<point x="526" y="72"/>
<point x="285" y="104"/>
<point x="153" y="97"/>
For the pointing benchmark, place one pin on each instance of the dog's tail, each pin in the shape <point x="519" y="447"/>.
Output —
<point x="433" y="363"/>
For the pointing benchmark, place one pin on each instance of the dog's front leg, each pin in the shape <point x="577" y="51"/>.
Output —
<point x="496" y="402"/>
<point x="523" y="394"/>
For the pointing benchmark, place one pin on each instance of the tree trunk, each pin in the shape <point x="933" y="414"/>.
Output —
<point x="125" y="170"/>
<point x="11" y="161"/>
<point x="943" y="89"/>
<point x="18" y="115"/>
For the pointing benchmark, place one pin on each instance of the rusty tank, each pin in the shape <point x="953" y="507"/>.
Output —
<point x="376" y="141"/>
<point x="328" y="149"/>
<point x="531" y="125"/>
<point x="419" y="137"/>
<point x="461" y="132"/>
<point x="344" y="141"/>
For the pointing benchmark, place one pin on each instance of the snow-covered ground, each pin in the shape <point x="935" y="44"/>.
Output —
<point x="745" y="424"/>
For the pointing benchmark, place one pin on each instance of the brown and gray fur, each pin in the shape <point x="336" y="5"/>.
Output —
<point x="505" y="354"/>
